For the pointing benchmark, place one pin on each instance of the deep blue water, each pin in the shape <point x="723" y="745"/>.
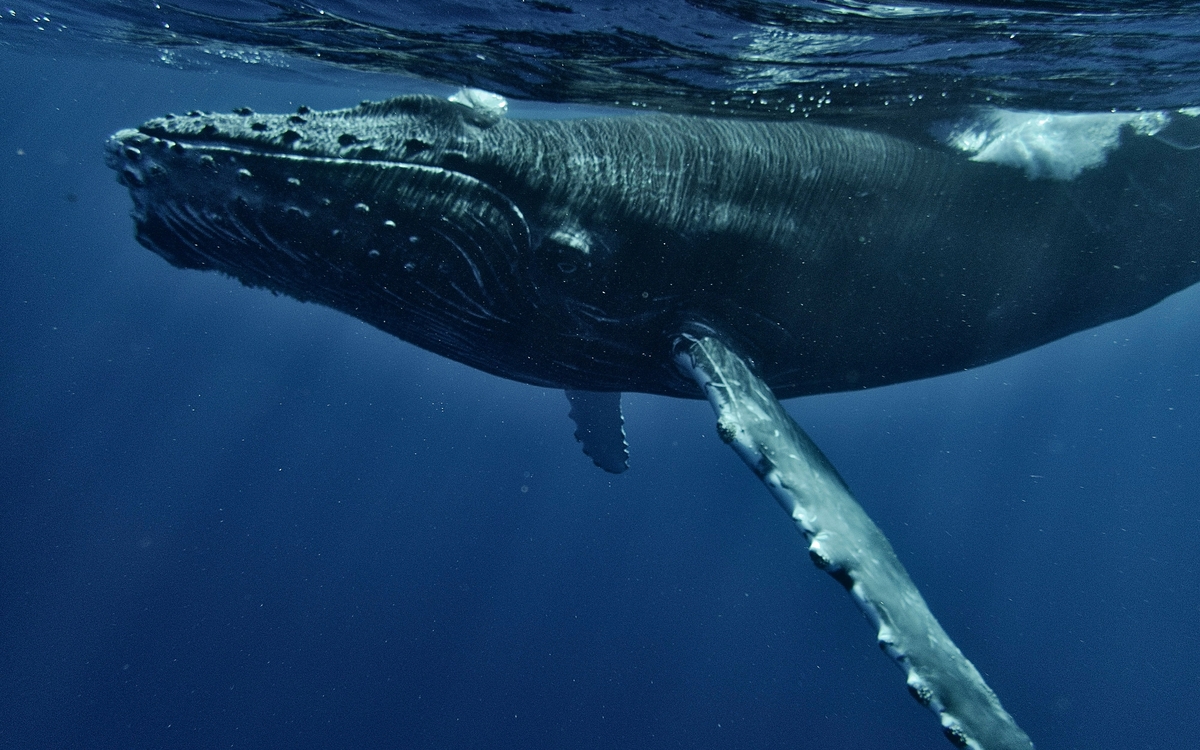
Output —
<point x="228" y="519"/>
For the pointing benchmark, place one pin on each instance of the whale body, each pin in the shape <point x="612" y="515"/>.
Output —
<point x="833" y="258"/>
<point x="738" y="261"/>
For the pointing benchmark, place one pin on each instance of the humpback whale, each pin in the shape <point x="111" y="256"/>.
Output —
<point x="736" y="261"/>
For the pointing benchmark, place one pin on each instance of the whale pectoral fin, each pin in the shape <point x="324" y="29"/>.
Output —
<point x="601" y="428"/>
<point x="845" y="543"/>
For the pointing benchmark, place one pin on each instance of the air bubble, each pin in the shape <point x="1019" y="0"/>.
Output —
<point x="410" y="266"/>
<point x="294" y="181"/>
<point x="244" y="173"/>
<point x="362" y="207"/>
<point x="414" y="239"/>
<point x="373" y="253"/>
<point x="390" y="224"/>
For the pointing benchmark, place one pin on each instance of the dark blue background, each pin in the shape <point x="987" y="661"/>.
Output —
<point x="228" y="519"/>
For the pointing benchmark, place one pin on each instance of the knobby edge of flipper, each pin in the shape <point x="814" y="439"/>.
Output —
<point x="846" y="543"/>
<point x="600" y="427"/>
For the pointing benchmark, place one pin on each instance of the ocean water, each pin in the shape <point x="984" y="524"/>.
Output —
<point x="228" y="519"/>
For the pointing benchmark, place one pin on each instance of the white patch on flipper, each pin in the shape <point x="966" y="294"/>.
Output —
<point x="846" y="543"/>
<point x="489" y="108"/>
<point x="1049" y="145"/>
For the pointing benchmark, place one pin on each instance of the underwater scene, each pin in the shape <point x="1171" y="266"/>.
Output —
<point x="291" y="294"/>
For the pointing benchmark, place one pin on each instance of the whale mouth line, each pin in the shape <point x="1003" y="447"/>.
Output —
<point x="124" y="147"/>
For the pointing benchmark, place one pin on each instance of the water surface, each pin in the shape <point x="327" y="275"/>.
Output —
<point x="230" y="519"/>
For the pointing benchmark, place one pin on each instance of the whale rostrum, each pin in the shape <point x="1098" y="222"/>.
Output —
<point x="733" y="260"/>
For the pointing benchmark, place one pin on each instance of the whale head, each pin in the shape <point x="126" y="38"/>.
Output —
<point x="358" y="209"/>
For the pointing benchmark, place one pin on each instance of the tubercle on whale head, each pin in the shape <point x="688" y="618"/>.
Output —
<point x="414" y="129"/>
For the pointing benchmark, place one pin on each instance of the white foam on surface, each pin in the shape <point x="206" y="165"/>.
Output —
<point x="1049" y="145"/>
<point x="490" y="107"/>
